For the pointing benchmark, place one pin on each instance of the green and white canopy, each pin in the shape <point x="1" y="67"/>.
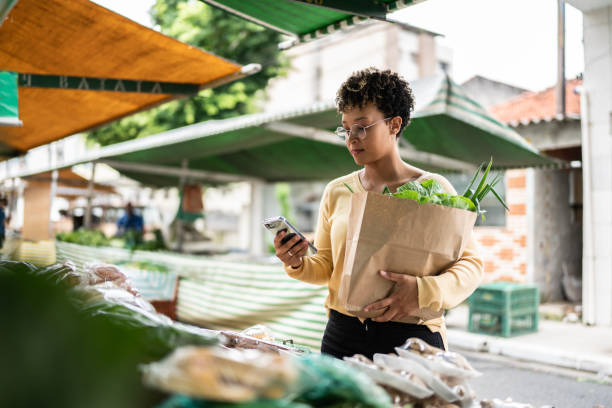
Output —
<point x="449" y="123"/>
<point x="9" y="112"/>
<point x="309" y="19"/>
<point x="448" y="132"/>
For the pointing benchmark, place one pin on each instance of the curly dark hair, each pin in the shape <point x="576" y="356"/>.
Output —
<point x="386" y="89"/>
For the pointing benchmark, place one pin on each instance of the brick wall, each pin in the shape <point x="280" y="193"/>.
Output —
<point x="504" y="249"/>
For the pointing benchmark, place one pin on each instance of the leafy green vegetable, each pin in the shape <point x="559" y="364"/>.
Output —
<point x="84" y="237"/>
<point x="409" y="194"/>
<point x="484" y="188"/>
<point x="131" y="240"/>
<point x="412" y="186"/>
<point x="431" y="192"/>
<point x="350" y="189"/>
<point x="431" y="186"/>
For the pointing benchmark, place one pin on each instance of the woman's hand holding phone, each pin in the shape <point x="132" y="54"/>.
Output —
<point x="290" y="251"/>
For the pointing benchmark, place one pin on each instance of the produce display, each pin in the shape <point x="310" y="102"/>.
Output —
<point x="421" y="374"/>
<point x="249" y="378"/>
<point x="118" y="334"/>
<point x="84" y="237"/>
<point x="131" y="240"/>
<point x="230" y="375"/>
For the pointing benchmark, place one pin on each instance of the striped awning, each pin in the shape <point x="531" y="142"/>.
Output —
<point x="80" y="66"/>
<point x="9" y="109"/>
<point x="221" y="294"/>
<point x="307" y="19"/>
<point x="449" y="123"/>
<point x="448" y="132"/>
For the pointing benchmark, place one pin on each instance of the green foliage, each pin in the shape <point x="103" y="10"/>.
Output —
<point x="484" y="187"/>
<point x="227" y="36"/>
<point x="412" y="186"/>
<point x="84" y="237"/>
<point x="432" y="192"/>
<point x="132" y="240"/>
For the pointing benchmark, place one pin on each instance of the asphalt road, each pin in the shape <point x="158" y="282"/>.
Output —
<point x="537" y="385"/>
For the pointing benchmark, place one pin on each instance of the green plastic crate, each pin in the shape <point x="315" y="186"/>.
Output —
<point x="504" y="309"/>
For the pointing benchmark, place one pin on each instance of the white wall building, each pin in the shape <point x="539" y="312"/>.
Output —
<point x="597" y="160"/>
<point x="320" y="66"/>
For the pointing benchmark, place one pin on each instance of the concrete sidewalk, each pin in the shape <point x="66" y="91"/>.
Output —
<point x="566" y="345"/>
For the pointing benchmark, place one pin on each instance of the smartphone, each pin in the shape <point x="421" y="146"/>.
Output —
<point x="278" y="224"/>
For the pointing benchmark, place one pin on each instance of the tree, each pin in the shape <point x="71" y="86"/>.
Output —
<point x="223" y="34"/>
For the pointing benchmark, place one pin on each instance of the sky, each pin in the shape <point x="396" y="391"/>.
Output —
<point x="512" y="41"/>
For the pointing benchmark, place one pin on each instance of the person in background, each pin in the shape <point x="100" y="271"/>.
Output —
<point x="3" y="220"/>
<point x="130" y="221"/>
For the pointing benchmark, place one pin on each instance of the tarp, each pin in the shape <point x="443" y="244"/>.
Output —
<point x="220" y="293"/>
<point x="310" y="19"/>
<point x="9" y="108"/>
<point x="447" y="122"/>
<point x="451" y="132"/>
<point x="71" y="185"/>
<point x="78" y="38"/>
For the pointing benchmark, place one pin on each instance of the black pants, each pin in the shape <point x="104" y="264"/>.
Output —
<point x="346" y="336"/>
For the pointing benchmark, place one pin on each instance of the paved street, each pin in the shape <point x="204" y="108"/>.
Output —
<point x="526" y="383"/>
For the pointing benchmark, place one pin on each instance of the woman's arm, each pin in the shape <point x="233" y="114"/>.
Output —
<point x="317" y="269"/>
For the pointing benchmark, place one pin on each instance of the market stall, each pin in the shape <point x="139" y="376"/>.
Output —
<point x="150" y="360"/>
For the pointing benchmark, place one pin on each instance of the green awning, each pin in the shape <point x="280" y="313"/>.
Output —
<point x="9" y="110"/>
<point x="447" y="122"/>
<point x="5" y="7"/>
<point x="310" y="19"/>
<point x="449" y="132"/>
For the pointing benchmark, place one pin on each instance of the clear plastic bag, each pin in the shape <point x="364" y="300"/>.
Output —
<point x="96" y="273"/>
<point x="402" y="381"/>
<point x="459" y="392"/>
<point x="325" y="380"/>
<point x="259" y="331"/>
<point x="222" y="374"/>
<point x="445" y="363"/>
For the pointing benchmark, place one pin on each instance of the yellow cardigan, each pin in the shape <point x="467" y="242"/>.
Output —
<point x="443" y="291"/>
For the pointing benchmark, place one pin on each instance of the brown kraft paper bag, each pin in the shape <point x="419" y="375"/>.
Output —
<point x="398" y="235"/>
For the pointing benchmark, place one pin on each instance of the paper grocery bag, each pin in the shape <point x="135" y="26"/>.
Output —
<point x="397" y="235"/>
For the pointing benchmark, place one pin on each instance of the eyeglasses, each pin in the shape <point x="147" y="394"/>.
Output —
<point x="357" y="131"/>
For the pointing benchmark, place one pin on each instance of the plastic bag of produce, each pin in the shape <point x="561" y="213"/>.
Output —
<point x="404" y="381"/>
<point x="325" y="380"/>
<point x="97" y="273"/>
<point x="183" y="401"/>
<point x="222" y="374"/>
<point x="259" y="331"/>
<point x="457" y="392"/>
<point x="446" y="363"/>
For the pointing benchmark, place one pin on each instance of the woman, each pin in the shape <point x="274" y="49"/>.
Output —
<point x="375" y="107"/>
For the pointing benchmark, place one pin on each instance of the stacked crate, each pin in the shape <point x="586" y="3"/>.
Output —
<point x="504" y="309"/>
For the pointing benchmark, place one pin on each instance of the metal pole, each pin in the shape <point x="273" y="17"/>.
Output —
<point x="179" y="222"/>
<point x="560" y="87"/>
<point x="256" y="244"/>
<point x="90" y="192"/>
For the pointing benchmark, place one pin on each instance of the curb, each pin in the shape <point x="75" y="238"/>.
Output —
<point x="600" y="365"/>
